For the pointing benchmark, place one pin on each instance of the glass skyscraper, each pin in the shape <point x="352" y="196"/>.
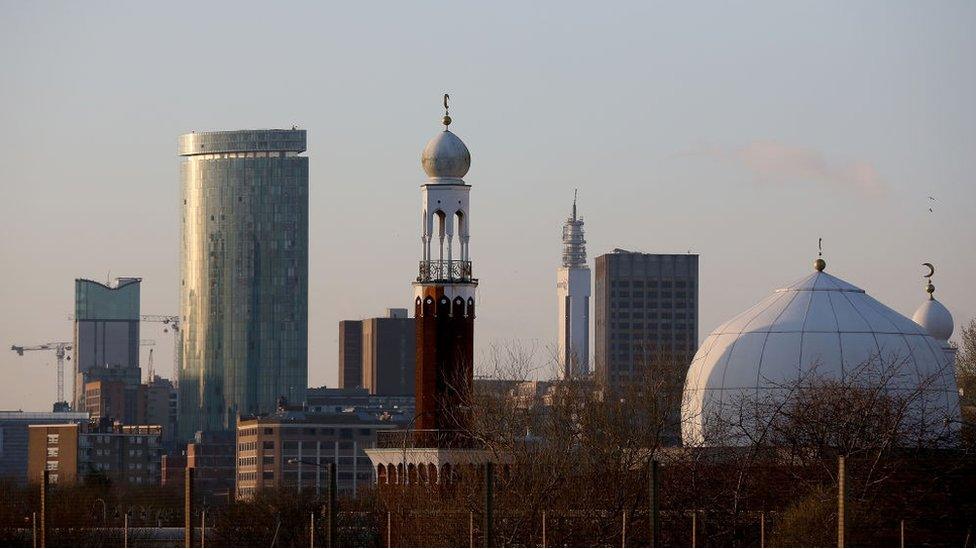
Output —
<point x="244" y="280"/>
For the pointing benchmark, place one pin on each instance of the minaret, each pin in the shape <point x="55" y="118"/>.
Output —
<point x="573" y="295"/>
<point x="444" y="292"/>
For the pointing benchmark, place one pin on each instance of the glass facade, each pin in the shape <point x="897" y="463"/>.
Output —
<point x="244" y="280"/>
<point x="106" y="331"/>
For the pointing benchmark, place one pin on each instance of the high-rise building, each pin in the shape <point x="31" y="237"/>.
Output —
<point x="573" y="296"/>
<point x="646" y="311"/>
<point x="350" y="354"/>
<point x="244" y="284"/>
<point x="389" y="354"/>
<point x="106" y="334"/>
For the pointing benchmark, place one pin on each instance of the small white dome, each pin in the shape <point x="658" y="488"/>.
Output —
<point x="446" y="156"/>
<point x="935" y="319"/>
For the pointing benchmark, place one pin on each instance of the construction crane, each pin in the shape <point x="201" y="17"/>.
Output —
<point x="61" y="349"/>
<point x="170" y="323"/>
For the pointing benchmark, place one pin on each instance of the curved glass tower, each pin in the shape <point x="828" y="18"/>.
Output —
<point x="244" y="280"/>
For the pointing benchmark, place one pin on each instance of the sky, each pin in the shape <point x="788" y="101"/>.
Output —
<point x="741" y="131"/>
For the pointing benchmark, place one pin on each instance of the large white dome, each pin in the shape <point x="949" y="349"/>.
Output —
<point x="818" y="322"/>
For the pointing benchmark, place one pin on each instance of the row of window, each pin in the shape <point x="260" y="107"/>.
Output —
<point x="652" y="316"/>
<point x="652" y="295"/>
<point x="652" y="283"/>
<point x="619" y="304"/>
<point x="680" y="326"/>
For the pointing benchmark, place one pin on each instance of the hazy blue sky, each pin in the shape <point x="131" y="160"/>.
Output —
<point x="740" y="131"/>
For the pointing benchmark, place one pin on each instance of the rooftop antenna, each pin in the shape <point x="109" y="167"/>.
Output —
<point x="574" y="203"/>
<point x="447" y="117"/>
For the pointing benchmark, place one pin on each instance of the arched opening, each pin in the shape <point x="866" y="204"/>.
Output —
<point x="411" y="474"/>
<point x="381" y="474"/>
<point x="431" y="473"/>
<point x="462" y="233"/>
<point x="392" y="473"/>
<point x="441" y="232"/>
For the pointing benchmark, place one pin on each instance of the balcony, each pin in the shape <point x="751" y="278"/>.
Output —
<point x="444" y="270"/>
<point x="423" y="438"/>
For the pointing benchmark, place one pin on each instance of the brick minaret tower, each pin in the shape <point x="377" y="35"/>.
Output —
<point x="444" y="292"/>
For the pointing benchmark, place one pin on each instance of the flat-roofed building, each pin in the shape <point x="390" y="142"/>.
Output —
<point x="646" y="311"/>
<point x="14" y="435"/>
<point x="350" y="354"/>
<point x="389" y="354"/>
<point x="267" y="445"/>
<point x="127" y="454"/>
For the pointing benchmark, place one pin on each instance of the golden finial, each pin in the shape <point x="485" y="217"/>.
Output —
<point x="929" y="287"/>
<point x="447" y="119"/>
<point x="820" y="264"/>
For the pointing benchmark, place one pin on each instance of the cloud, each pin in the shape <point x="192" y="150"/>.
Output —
<point x="777" y="163"/>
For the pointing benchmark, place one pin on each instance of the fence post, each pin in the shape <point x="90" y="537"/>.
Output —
<point x="44" y="507"/>
<point x="471" y="529"/>
<point x="34" y="527"/>
<point x="841" y="501"/>
<point x="903" y="533"/>
<point x="188" y="508"/>
<point x="543" y="529"/>
<point x="203" y="528"/>
<point x="333" y="507"/>
<point x="125" y="529"/>
<point x="489" y="504"/>
<point x="653" y="503"/>
<point x="762" y="529"/>
<point x="623" y="530"/>
<point x="694" y="528"/>
<point x="389" y="529"/>
<point x="311" y="530"/>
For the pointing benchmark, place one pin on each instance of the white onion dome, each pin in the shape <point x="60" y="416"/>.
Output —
<point x="446" y="156"/>
<point x="934" y="317"/>
<point x="819" y="326"/>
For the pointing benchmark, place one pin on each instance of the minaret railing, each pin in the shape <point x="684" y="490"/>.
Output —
<point x="438" y="270"/>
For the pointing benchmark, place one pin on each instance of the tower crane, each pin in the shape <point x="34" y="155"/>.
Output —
<point x="170" y="323"/>
<point x="61" y="349"/>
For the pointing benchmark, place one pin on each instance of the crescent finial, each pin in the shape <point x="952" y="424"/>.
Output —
<point x="929" y="287"/>
<point x="447" y="117"/>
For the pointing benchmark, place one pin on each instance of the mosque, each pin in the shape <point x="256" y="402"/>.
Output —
<point x="821" y="327"/>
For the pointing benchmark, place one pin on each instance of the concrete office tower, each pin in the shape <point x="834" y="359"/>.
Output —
<point x="573" y="296"/>
<point x="244" y="284"/>
<point x="106" y="334"/>
<point x="444" y="292"/>
<point x="389" y="354"/>
<point x="350" y="354"/>
<point x="646" y="312"/>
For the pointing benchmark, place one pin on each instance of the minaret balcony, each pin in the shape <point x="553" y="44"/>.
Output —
<point x="443" y="270"/>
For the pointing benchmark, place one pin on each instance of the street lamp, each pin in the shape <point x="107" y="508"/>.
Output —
<point x="332" y="509"/>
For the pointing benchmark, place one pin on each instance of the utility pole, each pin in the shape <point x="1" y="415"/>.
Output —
<point x="762" y="529"/>
<point x="188" y="508"/>
<point x="333" y="511"/>
<point x="653" y="503"/>
<point x="543" y="529"/>
<point x="841" y="501"/>
<point x="125" y="530"/>
<point x="489" y="503"/>
<point x="623" y="530"/>
<point x="311" y="530"/>
<point x="34" y="526"/>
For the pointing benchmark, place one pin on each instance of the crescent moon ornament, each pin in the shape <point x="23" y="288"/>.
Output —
<point x="931" y="270"/>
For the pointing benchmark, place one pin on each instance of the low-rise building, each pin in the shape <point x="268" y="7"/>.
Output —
<point x="291" y="450"/>
<point x="340" y="400"/>
<point x="128" y="454"/>
<point x="14" y="438"/>
<point x="212" y="456"/>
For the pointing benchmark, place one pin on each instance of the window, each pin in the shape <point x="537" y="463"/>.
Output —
<point x="53" y="478"/>
<point x="268" y="445"/>
<point x="51" y="466"/>
<point x="53" y="439"/>
<point x="53" y="452"/>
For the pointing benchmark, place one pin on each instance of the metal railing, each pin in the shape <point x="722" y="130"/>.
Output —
<point x="423" y="438"/>
<point x="445" y="270"/>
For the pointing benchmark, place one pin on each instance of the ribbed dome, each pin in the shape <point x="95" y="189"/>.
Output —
<point x="818" y="322"/>
<point x="935" y="319"/>
<point x="446" y="156"/>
